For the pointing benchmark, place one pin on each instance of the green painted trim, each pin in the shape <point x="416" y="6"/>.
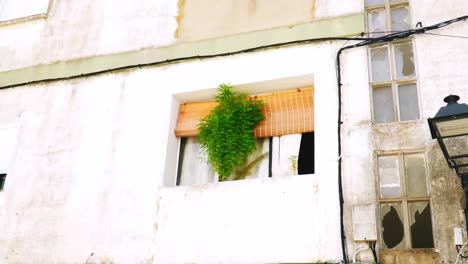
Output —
<point x="337" y="27"/>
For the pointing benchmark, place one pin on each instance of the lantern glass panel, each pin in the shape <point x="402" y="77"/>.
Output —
<point x="453" y="127"/>
<point x="456" y="145"/>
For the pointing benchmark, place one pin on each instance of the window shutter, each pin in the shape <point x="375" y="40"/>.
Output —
<point x="289" y="112"/>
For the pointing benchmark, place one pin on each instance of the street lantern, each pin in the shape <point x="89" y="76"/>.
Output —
<point x="450" y="127"/>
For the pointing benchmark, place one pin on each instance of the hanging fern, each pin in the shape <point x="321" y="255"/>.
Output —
<point x="226" y="134"/>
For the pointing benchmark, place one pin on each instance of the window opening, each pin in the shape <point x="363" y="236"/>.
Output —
<point x="285" y="140"/>
<point x="405" y="211"/>
<point x="306" y="160"/>
<point x="392" y="72"/>
<point x="2" y="180"/>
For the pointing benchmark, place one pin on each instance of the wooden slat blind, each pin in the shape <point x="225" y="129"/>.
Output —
<point x="289" y="112"/>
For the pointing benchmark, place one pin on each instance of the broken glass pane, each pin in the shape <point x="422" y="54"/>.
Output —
<point x="389" y="177"/>
<point x="383" y="104"/>
<point x="374" y="2"/>
<point x="404" y="60"/>
<point x="377" y="21"/>
<point x="400" y="18"/>
<point x="421" y="225"/>
<point x="393" y="232"/>
<point x="380" y="64"/>
<point x="415" y="170"/>
<point x="408" y="102"/>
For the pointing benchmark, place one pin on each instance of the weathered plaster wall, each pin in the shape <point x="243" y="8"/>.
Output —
<point x="88" y="171"/>
<point x="441" y="64"/>
<point x="77" y="29"/>
<point x="221" y="18"/>
<point x="81" y="29"/>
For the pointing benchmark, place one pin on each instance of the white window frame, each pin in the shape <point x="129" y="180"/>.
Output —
<point x="393" y="82"/>
<point x="404" y="200"/>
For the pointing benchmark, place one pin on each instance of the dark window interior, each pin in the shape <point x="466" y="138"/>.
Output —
<point x="2" y="180"/>
<point x="306" y="160"/>
<point x="183" y="141"/>
<point x="393" y="229"/>
<point x="421" y="230"/>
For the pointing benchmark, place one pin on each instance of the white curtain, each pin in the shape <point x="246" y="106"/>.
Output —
<point x="195" y="169"/>
<point x="285" y="155"/>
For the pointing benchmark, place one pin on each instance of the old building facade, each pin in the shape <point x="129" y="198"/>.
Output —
<point x="92" y="171"/>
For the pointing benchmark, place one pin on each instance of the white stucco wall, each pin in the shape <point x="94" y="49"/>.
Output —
<point x="89" y="166"/>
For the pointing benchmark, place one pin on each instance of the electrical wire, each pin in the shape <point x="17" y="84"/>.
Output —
<point x="374" y="253"/>
<point x="444" y="35"/>
<point x="460" y="253"/>
<point x="357" y="251"/>
<point x="188" y="58"/>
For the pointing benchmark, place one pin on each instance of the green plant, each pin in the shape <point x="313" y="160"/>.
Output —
<point x="226" y="134"/>
<point x="293" y="160"/>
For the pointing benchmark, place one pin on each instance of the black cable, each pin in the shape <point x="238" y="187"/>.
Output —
<point x="181" y="59"/>
<point x="374" y="252"/>
<point x="382" y="39"/>
<point x="444" y="35"/>
<point x="365" y="42"/>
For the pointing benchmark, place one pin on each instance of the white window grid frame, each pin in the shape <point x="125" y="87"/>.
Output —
<point x="394" y="82"/>
<point x="404" y="200"/>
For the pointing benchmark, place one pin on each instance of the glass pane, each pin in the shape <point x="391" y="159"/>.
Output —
<point x="389" y="177"/>
<point x="404" y="61"/>
<point x="415" y="170"/>
<point x="457" y="146"/>
<point x="380" y="64"/>
<point x="374" y="2"/>
<point x="285" y="155"/>
<point x="382" y="98"/>
<point x="377" y="22"/>
<point x="194" y="168"/>
<point x="256" y="164"/>
<point x="393" y="231"/>
<point x="421" y="225"/>
<point x="408" y="102"/>
<point x="400" y="18"/>
<point x="453" y="127"/>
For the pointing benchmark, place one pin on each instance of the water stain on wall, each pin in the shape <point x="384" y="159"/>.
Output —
<point x="180" y="17"/>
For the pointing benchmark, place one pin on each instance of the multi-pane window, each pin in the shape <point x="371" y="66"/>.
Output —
<point x="392" y="67"/>
<point x="404" y="199"/>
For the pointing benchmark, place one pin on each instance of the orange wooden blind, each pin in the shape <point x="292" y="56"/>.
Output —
<point x="289" y="112"/>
